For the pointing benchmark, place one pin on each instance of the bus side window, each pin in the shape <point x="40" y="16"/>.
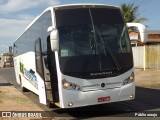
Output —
<point x="46" y="62"/>
<point x="38" y="57"/>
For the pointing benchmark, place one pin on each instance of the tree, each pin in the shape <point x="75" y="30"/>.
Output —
<point x="130" y="13"/>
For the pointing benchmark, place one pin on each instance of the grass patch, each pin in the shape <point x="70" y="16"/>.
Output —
<point x="1" y="98"/>
<point x="20" y="99"/>
<point x="1" y="101"/>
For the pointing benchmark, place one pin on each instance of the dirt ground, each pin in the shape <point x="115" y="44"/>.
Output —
<point x="149" y="78"/>
<point x="13" y="100"/>
<point x="9" y="95"/>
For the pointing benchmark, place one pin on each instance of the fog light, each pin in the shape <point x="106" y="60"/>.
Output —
<point x="131" y="96"/>
<point x="70" y="104"/>
<point x="130" y="79"/>
<point x="70" y="86"/>
<point x="66" y="85"/>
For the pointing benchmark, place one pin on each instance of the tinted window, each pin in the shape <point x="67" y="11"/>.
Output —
<point x="104" y="15"/>
<point x="92" y="40"/>
<point x="72" y="17"/>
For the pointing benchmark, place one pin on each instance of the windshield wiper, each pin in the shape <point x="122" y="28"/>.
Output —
<point x="92" y="51"/>
<point x="94" y="33"/>
<point x="93" y="44"/>
<point x="123" y="31"/>
<point x="109" y="51"/>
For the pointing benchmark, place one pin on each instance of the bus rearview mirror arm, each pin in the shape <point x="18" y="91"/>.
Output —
<point x="53" y="38"/>
<point x="142" y="31"/>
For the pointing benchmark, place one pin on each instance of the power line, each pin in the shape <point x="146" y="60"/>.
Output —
<point x="132" y="1"/>
<point x="138" y="1"/>
<point x="142" y="3"/>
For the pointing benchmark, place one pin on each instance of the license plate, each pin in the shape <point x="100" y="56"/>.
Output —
<point x="102" y="99"/>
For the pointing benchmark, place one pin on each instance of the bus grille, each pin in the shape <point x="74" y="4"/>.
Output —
<point x="100" y="87"/>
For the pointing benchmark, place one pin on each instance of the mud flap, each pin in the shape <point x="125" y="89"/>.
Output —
<point x="41" y="89"/>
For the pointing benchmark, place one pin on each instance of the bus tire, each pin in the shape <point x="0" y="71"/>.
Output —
<point x="23" y="89"/>
<point x="51" y="105"/>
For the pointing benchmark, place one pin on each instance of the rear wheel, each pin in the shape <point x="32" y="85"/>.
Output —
<point x="23" y="89"/>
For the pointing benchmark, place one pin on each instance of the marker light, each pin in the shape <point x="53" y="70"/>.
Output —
<point x="130" y="79"/>
<point x="131" y="96"/>
<point x="66" y="85"/>
<point x="70" y="86"/>
<point x="70" y="104"/>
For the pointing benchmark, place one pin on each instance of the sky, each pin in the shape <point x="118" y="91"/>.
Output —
<point x="15" y="15"/>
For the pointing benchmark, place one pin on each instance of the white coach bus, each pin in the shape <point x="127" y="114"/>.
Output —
<point x="76" y="55"/>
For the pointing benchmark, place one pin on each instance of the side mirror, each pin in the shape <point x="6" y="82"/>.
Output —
<point x="54" y="38"/>
<point x="142" y="31"/>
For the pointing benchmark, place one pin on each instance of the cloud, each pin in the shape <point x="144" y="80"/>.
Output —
<point x="11" y="22"/>
<point x="14" y="20"/>
<point x="11" y="6"/>
<point x="12" y="28"/>
<point x="3" y="2"/>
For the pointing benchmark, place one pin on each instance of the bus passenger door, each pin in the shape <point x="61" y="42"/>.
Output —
<point x="52" y="72"/>
<point x="40" y="71"/>
<point x="46" y="68"/>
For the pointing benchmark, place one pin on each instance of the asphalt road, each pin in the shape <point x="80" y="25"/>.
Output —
<point x="147" y="102"/>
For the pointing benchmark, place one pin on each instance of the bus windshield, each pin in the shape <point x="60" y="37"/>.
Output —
<point x="92" y="42"/>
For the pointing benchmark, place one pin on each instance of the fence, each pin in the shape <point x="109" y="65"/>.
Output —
<point x="147" y="56"/>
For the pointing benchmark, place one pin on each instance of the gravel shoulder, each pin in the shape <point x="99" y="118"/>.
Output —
<point x="13" y="100"/>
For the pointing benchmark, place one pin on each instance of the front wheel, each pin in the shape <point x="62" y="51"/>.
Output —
<point x="51" y="105"/>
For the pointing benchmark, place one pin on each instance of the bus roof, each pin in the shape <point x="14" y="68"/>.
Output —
<point x="82" y="5"/>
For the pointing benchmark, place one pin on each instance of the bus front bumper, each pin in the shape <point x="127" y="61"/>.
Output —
<point x="73" y="99"/>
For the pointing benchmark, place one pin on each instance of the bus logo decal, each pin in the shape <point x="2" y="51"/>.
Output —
<point x="29" y="75"/>
<point x="101" y="73"/>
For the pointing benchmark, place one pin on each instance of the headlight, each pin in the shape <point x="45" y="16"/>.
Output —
<point x="70" y="86"/>
<point x="130" y="79"/>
